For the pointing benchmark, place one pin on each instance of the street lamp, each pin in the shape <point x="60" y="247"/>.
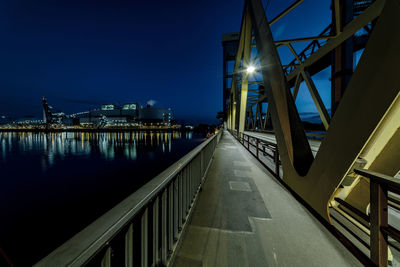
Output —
<point x="250" y="69"/>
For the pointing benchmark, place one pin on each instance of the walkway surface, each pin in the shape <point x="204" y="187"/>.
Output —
<point x="244" y="217"/>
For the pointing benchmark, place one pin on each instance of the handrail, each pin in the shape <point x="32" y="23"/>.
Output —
<point x="264" y="143"/>
<point x="180" y="182"/>
<point x="379" y="227"/>
<point x="382" y="179"/>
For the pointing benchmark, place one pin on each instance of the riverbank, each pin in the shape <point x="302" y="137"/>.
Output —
<point x="94" y="130"/>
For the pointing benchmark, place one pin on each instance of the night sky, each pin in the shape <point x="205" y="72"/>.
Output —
<point x="84" y="53"/>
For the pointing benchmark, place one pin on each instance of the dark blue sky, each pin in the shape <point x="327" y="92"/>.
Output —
<point x="80" y="54"/>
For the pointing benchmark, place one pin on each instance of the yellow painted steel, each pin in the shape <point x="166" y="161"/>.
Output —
<point x="365" y="122"/>
<point x="245" y="78"/>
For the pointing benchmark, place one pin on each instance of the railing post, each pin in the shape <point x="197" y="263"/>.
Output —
<point x="129" y="247"/>
<point x="190" y="184"/>
<point x="184" y="193"/>
<point x="180" y="200"/>
<point x="257" y="147"/>
<point x="144" y="239"/>
<point x="170" y="217"/>
<point x="106" y="261"/>
<point x="155" y="232"/>
<point x="176" y="207"/>
<point x="187" y="189"/>
<point x="379" y="219"/>
<point x="164" y="242"/>
<point x="201" y="163"/>
<point x="276" y="159"/>
<point x="248" y="142"/>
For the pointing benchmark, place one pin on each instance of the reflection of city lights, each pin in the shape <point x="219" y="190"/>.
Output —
<point x="59" y="146"/>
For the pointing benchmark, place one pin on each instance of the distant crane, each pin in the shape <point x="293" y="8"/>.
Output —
<point x="50" y="117"/>
<point x="47" y="115"/>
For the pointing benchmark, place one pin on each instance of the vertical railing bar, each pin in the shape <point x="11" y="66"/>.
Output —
<point x="202" y="163"/>
<point x="378" y="219"/>
<point x="176" y="206"/>
<point x="164" y="242"/>
<point x="144" y="239"/>
<point x="191" y="182"/>
<point x="106" y="260"/>
<point x="276" y="158"/>
<point x="170" y="217"/>
<point x="188" y="188"/>
<point x="197" y="182"/>
<point x="180" y="201"/>
<point x="155" y="231"/>
<point x="199" y="176"/>
<point x="184" y="192"/>
<point x="129" y="247"/>
<point x="257" y="147"/>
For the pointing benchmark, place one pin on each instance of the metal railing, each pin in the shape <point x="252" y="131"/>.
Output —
<point x="262" y="148"/>
<point x="144" y="229"/>
<point x="380" y="230"/>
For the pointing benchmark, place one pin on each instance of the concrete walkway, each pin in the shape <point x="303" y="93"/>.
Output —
<point x="244" y="217"/>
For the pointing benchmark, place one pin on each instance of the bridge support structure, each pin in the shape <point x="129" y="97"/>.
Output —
<point x="363" y="124"/>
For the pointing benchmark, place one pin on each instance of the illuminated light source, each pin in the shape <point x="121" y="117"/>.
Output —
<point x="250" y="69"/>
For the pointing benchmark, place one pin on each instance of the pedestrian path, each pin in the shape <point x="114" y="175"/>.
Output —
<point x="244" y="217"/>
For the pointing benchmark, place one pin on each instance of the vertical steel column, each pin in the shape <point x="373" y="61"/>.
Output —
<point x="234" y="112"/>
<point x="129" y="247"/>
<point x="164" y="243"/>
<point x="379" y="219"/>
<point x="342" y="56"/>
<point x="144" y="239"/>
<point x="155" y="231"/>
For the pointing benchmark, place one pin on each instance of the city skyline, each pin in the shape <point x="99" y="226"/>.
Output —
<point x="84" y="54"/>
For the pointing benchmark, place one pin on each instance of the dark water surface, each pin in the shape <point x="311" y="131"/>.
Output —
<point x="53" y="185"/>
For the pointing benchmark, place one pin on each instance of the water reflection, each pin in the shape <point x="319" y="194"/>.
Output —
<point x="53" y="181"/>
<point x="60" y="145"/>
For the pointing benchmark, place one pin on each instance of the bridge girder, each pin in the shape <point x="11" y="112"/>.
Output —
<point x="363" y="125"/>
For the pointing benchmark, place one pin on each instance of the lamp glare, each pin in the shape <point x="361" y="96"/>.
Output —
<point x="250" y="69"/>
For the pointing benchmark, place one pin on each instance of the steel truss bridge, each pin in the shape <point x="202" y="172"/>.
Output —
<point x="346" y="179"/>
<point x="364" y="129"/>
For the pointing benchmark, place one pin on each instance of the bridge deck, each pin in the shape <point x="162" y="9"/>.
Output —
<point x="244" y="217"/>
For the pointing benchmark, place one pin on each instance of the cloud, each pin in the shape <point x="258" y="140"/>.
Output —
<point x="151" y="102"/>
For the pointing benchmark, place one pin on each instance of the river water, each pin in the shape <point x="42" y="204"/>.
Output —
<point x="53" y="185"/>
